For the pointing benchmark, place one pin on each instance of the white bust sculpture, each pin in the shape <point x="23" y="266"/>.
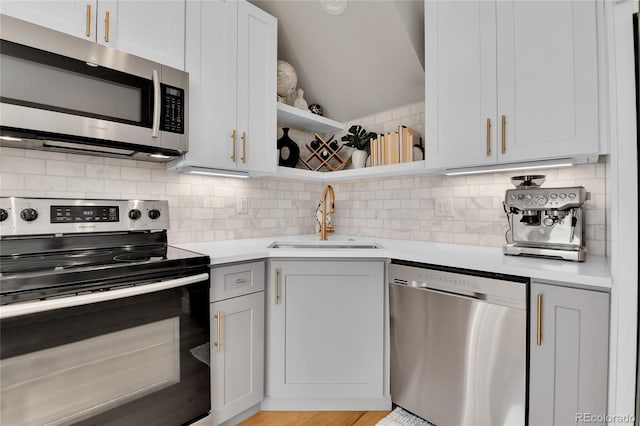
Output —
<point x="287" y="80"/>
<point x="300" y="102"/>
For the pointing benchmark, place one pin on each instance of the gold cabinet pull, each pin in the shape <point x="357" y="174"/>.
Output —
<point x="244" y="148"/>
<point x="539" y="321"/>
<point x="504" y="133"/>
<point x="488" y="137"/>
<point x="219" y="329"/>
<point x="233" y="138"/>
<point x="277" y="286"/>
<point x="88" y="26"/>
<point x="107" y="19"/>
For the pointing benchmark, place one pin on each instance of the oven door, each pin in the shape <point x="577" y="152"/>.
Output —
<point x="136" y="355"/>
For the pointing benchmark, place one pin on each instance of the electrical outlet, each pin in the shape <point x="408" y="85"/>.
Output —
<point x="243" y="205"/>
<point x="444" y="207"/>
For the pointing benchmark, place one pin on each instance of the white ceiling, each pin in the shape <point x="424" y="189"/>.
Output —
<point x="367" y="60"/>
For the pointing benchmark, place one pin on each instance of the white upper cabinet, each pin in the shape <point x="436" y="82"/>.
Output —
<point x="151" y="29"/>
<point x="510" y="81"/>
<point x="231" y="58"/>
<point x="77" y="18"/>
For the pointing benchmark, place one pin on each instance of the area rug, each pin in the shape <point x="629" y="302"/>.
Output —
<point x="399" y="417"/>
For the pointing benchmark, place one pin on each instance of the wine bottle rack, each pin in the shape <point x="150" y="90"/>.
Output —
<point x="324" y="154"/>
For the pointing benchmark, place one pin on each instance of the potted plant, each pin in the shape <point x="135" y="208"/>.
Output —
<point x="357" y="137"/>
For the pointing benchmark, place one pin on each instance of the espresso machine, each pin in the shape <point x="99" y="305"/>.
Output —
<point x="546" y="222"/>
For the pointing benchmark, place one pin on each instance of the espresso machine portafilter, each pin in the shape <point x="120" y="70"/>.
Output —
<point x="546" y="222"/>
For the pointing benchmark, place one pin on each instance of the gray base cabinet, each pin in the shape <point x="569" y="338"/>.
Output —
<point x="326" y="336"/>
<point x="237" y="339"/>
<point x="568" y="355"/>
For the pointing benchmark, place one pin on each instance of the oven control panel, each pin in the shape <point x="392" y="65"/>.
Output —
<point x="45" y="216"/>
<point x="75" y="214"/>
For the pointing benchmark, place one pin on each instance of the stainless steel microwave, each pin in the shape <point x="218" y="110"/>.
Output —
<point x="63" y="93"/>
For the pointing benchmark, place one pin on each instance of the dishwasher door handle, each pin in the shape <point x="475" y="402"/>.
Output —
<point x="458" y="293"/>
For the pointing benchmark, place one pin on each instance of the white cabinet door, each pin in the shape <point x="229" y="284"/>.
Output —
<point x="547" y="79"/>
<point x="231" y="60"/>
<point x="510" y="81"/>
<point x="569" y="358"/>
<point x="77" y="18"/>
<point x="206" y="45"/>
<point x="256" y="85"/>
<point x="153" y="30"/>
<point x="325" y="335"/>
<point x="237" y="355"/>
<point x="460" y="83"/>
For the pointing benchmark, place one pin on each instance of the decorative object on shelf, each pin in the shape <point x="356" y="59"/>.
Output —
<point x="287" y="80"/>
<point x="322" y="153"/>
<point x="289" y="150"/>
<point x="418" y="151"/>
<point x="316" y="109"/>
<point x="358" y="138"/>
<point x="396" y="147"/>
<point x="300" y="102"/>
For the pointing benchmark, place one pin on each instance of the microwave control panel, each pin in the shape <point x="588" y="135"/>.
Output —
<point x="172" y="119"/>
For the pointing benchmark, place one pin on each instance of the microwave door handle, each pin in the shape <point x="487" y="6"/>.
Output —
<point x="155" y="126"/>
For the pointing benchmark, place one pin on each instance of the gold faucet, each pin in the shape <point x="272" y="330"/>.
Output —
<point x="324" y="228"/>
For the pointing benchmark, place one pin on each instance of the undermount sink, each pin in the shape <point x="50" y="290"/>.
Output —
<point x="324" y="245"/>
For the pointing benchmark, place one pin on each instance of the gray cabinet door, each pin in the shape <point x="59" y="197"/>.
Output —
<point x="325" y="327"/>
<point x="568" y="355"/>
<point x="237" y="355"/>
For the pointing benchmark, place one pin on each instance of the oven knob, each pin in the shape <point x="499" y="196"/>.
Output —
<point x="563" y="196"/>
<point x="29" y="215"/>
<point x="154" y="213"/>
<point x="134" y="214"/>
<point x="3" y="215"/>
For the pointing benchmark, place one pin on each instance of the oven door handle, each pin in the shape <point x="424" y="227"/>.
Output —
<point x="19" y="309"/>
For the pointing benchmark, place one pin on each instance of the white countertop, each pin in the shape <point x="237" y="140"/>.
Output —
<point x="594" y="272"/>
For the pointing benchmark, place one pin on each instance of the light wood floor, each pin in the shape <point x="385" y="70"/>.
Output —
<point x="315" y="418"/>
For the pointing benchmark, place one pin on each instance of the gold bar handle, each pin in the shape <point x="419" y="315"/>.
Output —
<point x="277" y="286"/>
<point x="539" y="321"/>
<point x="88" y="26"/>
<point x="244" y="148"/>
<point x="504" y="133"/>
<point x="233" y="138"/>
<point x="107" y="19"/>
<point x="219" y="328"/>
<point x="488" y="137"/>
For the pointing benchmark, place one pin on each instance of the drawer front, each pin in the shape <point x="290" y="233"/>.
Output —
<point x="236" y="280"/>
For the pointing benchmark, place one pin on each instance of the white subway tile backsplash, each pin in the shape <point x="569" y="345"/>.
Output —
<point x="61" y="168"/>
<point x="477" y="215"/>
<point x="133" y="173"/>
<point x="9" y="164"/>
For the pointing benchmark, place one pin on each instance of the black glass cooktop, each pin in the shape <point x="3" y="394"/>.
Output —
<point x="38" y="268"/>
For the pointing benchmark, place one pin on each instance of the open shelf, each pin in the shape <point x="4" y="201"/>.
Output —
<point x="415" y="167"/>
<point x="305" y="120"/>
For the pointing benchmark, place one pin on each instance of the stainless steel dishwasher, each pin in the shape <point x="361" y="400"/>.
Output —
<point x="458" y="345"/>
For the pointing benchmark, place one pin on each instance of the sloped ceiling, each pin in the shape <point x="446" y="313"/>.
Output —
<point x="367" y="60"/>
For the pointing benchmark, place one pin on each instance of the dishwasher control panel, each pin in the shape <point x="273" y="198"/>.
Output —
<point x="497" y="291"/>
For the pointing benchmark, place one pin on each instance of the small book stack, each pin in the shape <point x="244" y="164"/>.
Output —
<point x="394" y="147"/>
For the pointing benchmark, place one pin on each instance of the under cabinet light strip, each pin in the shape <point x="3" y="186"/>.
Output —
<point x="215" y="172"/>
<point x="564" y="162"/>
